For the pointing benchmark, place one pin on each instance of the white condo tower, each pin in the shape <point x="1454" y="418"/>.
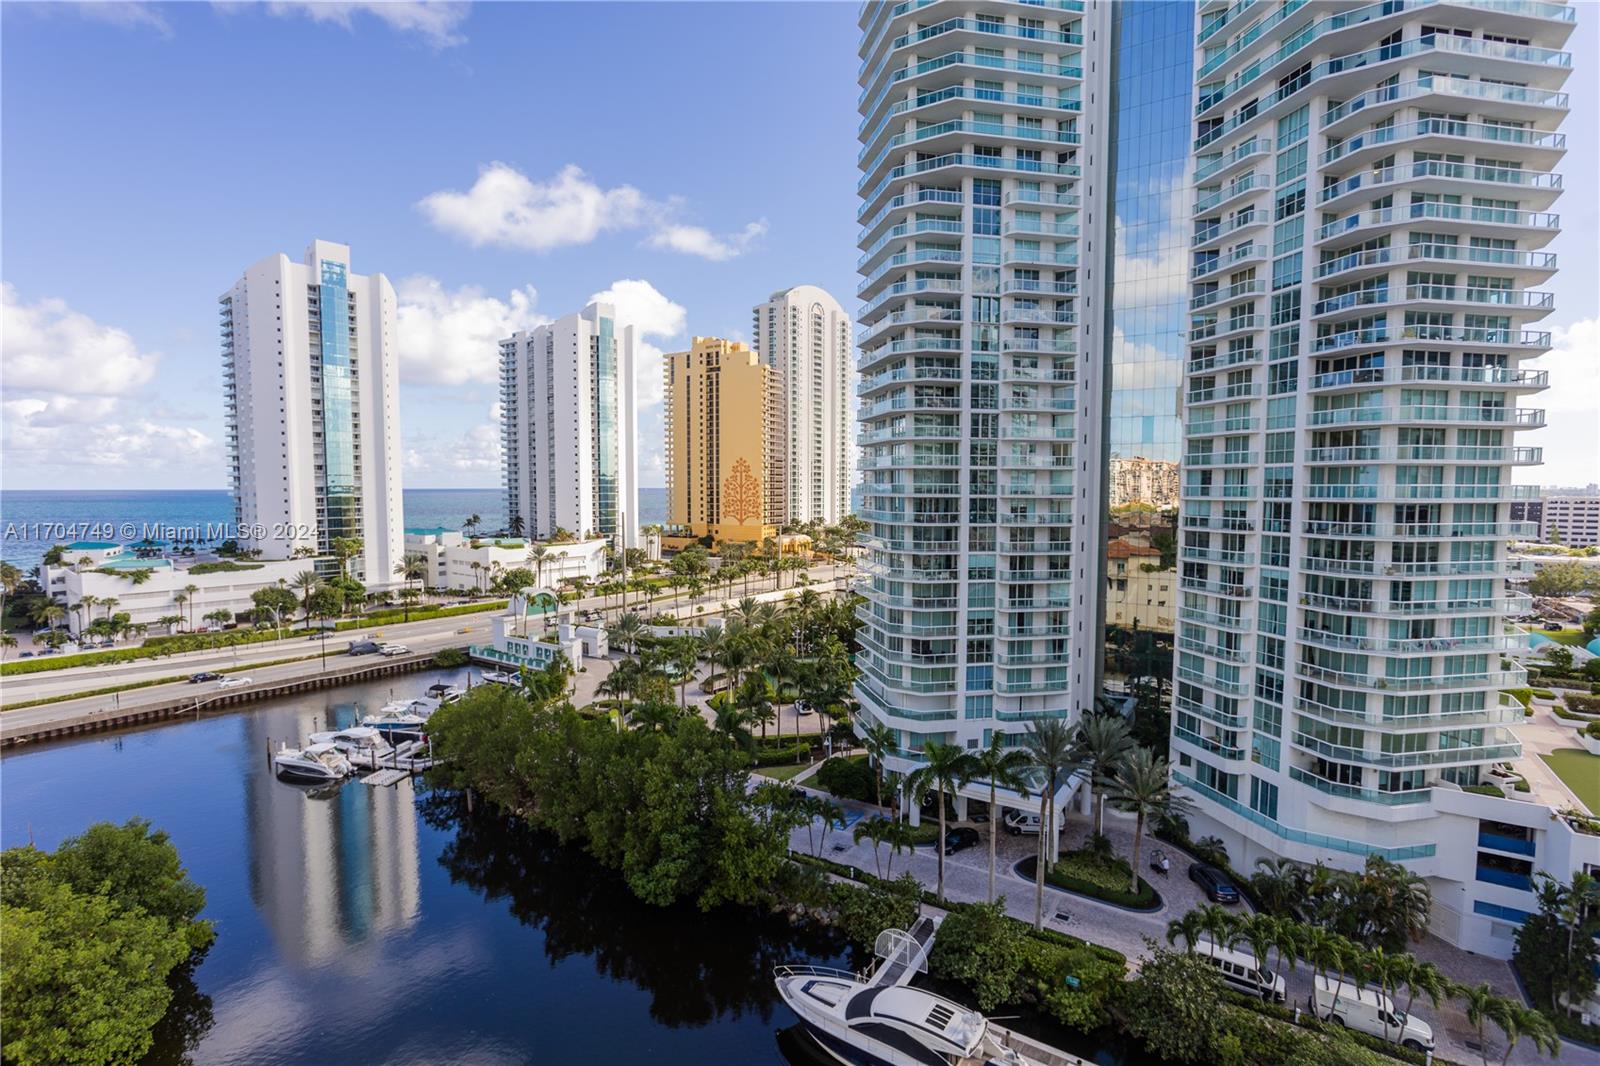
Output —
<point x="311" y="394"/>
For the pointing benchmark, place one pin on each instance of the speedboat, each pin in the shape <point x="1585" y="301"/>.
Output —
<point x="314" y="762"/>
<point x="864" y="1024"/>
<point x="402" y="716"/>
<point x="360" y="740"/>
<point x="499" y="677"/>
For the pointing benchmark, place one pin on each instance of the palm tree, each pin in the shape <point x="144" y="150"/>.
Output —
<point x="1387" y="971"/>
<point x="6" y="641"/>
<point x="307" y="582"/>
<point x="346" y="548"/>
<point x="536" y="558"/>
<point x="945" y="769"/>
<point x="110" y="604"/>
<point x="1518" y="1021"/>
<point x="876" y="830"/>
<point x="879" y="742"/>
<point x="413" y="566"/>
<point x="832" y="816"/>
<point x="625" y="631"/>
<point x="192" y="591"/>
<point x="1000" y="765"/>
<point x="1280" y="885"/>
<point x="1188" y="929"/>
<point x="1103" y="740"/>
<point x="470" y="526"/>
<point x="900" y="837"/>
<point x="1260" y="932"/>
<point x="1482" y="1004"/>
<point x="654" y="716"/>
<point x="1325" y="950"/>
<point x="1425" y="979"/>
<point x="1141" y="787"/>
<point x="1052" y="753"/>
<point x="733" y="722"/>
<point x="1220" y="926"/>
<point x="85" y="607"/>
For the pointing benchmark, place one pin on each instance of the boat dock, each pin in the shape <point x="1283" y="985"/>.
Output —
<point x="385" y="778"/>
<point x="903" y="955"/>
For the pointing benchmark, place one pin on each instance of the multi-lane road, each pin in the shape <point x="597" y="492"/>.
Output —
<point x="424" y="636"/>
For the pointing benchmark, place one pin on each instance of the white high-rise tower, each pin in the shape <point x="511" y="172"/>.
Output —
<point x="311" y="392"/>
<point x="805" y="335"/>
<point x="1371" y="207"/>
<point x="570" y="428"/>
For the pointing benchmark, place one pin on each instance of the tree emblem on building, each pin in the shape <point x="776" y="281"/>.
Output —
<point x="741" y="494"/>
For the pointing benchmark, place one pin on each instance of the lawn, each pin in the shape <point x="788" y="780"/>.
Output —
<point x="783" y="773"/>
<point x="1572" y="638"/>
<point x="1580" y="771"/>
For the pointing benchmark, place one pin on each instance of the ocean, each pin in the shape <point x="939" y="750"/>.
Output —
<point x="32" y="520"/>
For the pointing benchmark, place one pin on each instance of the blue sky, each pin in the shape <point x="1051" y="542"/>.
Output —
<point x="687" y="158"/>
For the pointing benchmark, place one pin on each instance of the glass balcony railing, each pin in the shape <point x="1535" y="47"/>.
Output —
<point x="1300" y="836"/>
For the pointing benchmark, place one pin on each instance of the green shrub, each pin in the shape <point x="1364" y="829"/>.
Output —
<point x="848" y="778"/>
<point x="1101" y="876"/>
<point x="1542" y="693"/>
<point x="1593" y="730"/>
<point x="1583" y="704"/>
<point x="982" y="948"/>
<point x="1522" y="695"/>
<point x="780" y="754"/>
<point x="449" y="658"/>
<point x="225" y="566"/>
<point x="864" y="911"/>
<point x="1483" y="790"/>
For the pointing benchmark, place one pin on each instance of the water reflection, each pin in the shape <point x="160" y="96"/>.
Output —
<point x="697" y="967"/>
<point x="330" y="867"/>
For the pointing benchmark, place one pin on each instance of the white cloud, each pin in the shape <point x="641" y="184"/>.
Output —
<point x="697" y="240"/>
<point x="69" y="389"/>
<point x="435" y="21"/>
<point x="128" y="13"/>
<point x="641" y="305"/>
<point x="508" y="209"/>
<point x="458" y="458"/>
<point x="50" y="347"/>
<point x="452" y="337"/>
<point x="1571" y="440"/>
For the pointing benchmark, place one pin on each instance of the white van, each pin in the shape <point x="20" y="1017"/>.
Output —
<point x="1019" y="822"/>
<point x="1366" y="1010"/>
<point x="1242" y="970"/>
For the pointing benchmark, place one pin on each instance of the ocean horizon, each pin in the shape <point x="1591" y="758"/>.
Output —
<point x="31" y="520"/>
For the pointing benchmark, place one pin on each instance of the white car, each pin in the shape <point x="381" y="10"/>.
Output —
<point x="1019" y="822"/>
<point x="1369" y="1011"/>
<point x="391" y="650"/>
<point x="232" y="682"/>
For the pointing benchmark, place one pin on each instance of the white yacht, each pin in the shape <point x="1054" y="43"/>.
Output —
<point x="402" y="716"/>
<point x="362" y="741"/>
<point x="314" y="762"/>
<point x="499" y="677"/>
<point x="860" y="1023"/>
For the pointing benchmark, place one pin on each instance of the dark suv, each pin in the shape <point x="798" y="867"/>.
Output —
<point x="1218" y="888"/>
<point x="960" y="838"/>
<point x="364" y="647"/>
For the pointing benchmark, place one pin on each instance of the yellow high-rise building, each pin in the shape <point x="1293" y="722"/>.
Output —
<point x="724" y="477"/>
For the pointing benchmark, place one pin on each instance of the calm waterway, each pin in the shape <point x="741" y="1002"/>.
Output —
<point x="389" y="925"/>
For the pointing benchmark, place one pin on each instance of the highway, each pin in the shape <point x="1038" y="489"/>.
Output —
<point x="424" y="636"/>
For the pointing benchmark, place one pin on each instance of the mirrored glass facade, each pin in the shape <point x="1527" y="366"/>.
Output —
<point x="340" y="502"/>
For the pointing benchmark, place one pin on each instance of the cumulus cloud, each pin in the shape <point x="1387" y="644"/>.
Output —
<point x="435" y="21"/>
<point x="1571" y="440"/>
<point x="506" y="208"/>
<point x="50" y="347"/>
<point x="130" y="14"/>
<point x="471" y="456"/>
<point x="452" y="337"/>
<point x="68" y="388"/>
<point x="641" y="305"/>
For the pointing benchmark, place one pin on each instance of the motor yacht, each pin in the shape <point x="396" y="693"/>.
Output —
<point x="359" y="740"/>
<point x="860" y="1023"/>
<point x="314" y="762"/>
<point x="499" y="677"/>
<point x="402" y="716"/>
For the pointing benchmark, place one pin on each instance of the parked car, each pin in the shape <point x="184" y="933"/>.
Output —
<point x="363" y="647"/>
<point x="389" y="651"/>
<point x="1366" y="1010"/>
<point x="203" y="676"/>
<point x="1019" y="822"/>
<point x="1554" y="627"/>
<point x="232" y="682"/>
<point x="1214" y="882"/>
<point x="960" y="838"/>
<point x="803" y="707"/>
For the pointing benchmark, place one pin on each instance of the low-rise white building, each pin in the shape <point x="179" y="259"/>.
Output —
<point x="151" y="589"/>
<point x="456" y="561"/>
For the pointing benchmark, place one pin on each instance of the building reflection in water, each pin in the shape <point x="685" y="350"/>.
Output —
<point x="330" y="868"/>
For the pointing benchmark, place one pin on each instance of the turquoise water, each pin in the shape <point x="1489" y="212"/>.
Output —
<point x="32" y="520"/>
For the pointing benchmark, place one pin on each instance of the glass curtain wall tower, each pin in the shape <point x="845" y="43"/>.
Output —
<point x="984" y="215"/>
<point x="1371" y="208"/>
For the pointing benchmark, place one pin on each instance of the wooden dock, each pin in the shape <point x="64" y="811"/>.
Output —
<point x="178" y="706"/>
<point x="385" y="778"/>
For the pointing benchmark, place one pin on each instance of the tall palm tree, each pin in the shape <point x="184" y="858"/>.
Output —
<point x="110" y="604"/>
<point x="307" y="582"/>
<point x="193" y="592"/>
<point x="733" y="723"/>
<point x="945" y="769"/>
<point x="1425" y="979"/>
<point x="1220" y="926"/>
<point x="879" y="742"/>
<point x="1260" y="933"/>
<point x="876" y="830"/>
<point x="625" y="631"/>
<point x="1387" y="971"/>
<point x="413" y="566"/>
<point x="178" y="600"/>
<point x="1103" y="740"/>
<point x="1053" y="756"/>
<point x="1518" y="1021"/>
<point x="6" y="641"/>
<point x="1141" y="787"/>
<point x="1482" y="1004"/>
<point x="1325" y="950"/>
<point x="536" y="559"/>
<point x="1188" y="929"/>
<point x="1000" y="765"/>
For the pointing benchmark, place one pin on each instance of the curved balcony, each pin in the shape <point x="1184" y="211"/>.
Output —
<point x="905" y="290"/>
<point x="1532" y="188"/>
<point x="1528" y="227"/>
<point x="906" y="345"/>
<point x="1424" y="453"/>
<point x="902" y="260"/>
<point x="933" y="375"/>
<point x="1224" y="360"/>
<point x="954" y="68"/>
<point x="1422" y="531"/>
<point x="1217" y="232"/>
<point x="1222" y="329"/>
<point x="1516" y="102"/>
<point x="957" y="165"/>
<point x="919" y="199"/>
<point x="906" y="231"/>
<point x="1245" y="253"/>
<point x="965" y="130"/>
<point x="1417" y="608"/>
<point x="1226" y="163"/>
<point x="1506" y="747"/>
<point x="1541" y="264"/>
<point x="896" y="404"/>
<point x="1227" y="294"/>
<point x="950" y="316"/>
<point x="1414" y="414"/>
<point x="1538" y="148"/>
<point x="1242" y="186"/>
